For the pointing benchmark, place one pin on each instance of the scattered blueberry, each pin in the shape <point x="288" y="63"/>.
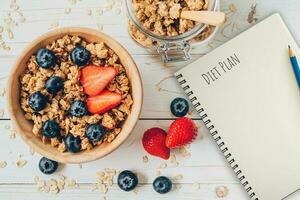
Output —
<point x="162" y="185"/>
<point x="95" y="132"/>
<point x="179" y="107"/>
<point x="47" y="166"/>
<point x="37" y="101"/>
<point x="54" y="84"/>
<point x="78" y="109"/>
<point x="72" y="143"/>
<point x="45" y="58"/>
<point x="80" y="56"/>
<point x="50" y="129"/>
<point x="127" y="180"/>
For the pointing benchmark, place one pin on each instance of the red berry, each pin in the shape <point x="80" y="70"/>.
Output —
<point x="181" y="132"/>
<point x="103" y="102"/>
<point x="154" y="143"/>
<point x="94" y="78"/>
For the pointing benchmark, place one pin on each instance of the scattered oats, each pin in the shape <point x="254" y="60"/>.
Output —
<point x="105" y="180"/>
<point x="21" y="163"/>
<point x="178" y="186"/>
<point x="173" y="158"/>
<point x="2" y="91"/>
<point x="196" y="186"/>
<point x="94" y="187"/>
<point x="178" y="177"/>
<point x="117" y="11"/>
<point x="99" y="26"/>
<point x="108" y="7"/>
<point x="10" y="33"/>
<point x="7" y="126"/>
<point x="61" y="177"/>
<point x="12" y="134"/>
<point x="145" y="159"/>
<point x="89" y="12"/>
<point x="184" y="152"/>
<point x="1" y="112"/>
<point x="135" y="191"/>
<point x="36" y="179"/>
<point x="67" y="10"/>
<point x="221" y="191"/>
<point x="162" y="166"/>
<point x="54" y="25"/>
<point x="103" y="198"/>
<point x="158" y="173"/>
<point x="100" y="11"/>
<point x="176" y="164"/>
<point x="71" y="183"/>
<point x="3" y="164"/>
<point x="102" y="188"/>
<point x="6" y="48"/>
<point x="1" y="29"/>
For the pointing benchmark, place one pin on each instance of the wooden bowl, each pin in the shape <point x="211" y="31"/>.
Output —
<point x="24" y="126"/>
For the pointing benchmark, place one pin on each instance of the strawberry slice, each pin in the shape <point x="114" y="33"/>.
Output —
<point x="94" y="78"/>
<point x="103" y="102"/>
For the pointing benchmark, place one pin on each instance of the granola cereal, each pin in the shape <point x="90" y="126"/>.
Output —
<point x="58" y="106"/>
<point x="163" y="19"/>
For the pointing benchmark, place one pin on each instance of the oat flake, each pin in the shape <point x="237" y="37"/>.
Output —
<point x="3" y="164"/>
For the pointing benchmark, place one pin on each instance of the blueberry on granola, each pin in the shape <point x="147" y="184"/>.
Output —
<point x="127" y="180"/>
<point x="54" y="84"/>
<point x="162" y="185"/>
<point x="37" y="101"/>
<point x="95" y="133"/>
<point x="179" y="107"/>
<point x="50" y="129"/>
<point x="80" y="56"/>
<point x="78" y="108"/>
<point x="45" y="58"/>
<point x="47" y="166"/>
<point x="73" y="144"/>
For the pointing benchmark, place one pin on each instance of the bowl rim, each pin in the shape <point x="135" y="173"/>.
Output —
<point x="130" y="121"/>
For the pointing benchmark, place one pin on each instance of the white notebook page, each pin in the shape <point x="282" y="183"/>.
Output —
<point x="253" y="101"/>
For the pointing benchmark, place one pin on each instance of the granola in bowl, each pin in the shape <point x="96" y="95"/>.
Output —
<point x="76" y="93"/>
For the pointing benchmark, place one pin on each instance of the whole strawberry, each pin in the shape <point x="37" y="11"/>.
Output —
<point x="181" y="132"/>
<point x="154" y="143"/>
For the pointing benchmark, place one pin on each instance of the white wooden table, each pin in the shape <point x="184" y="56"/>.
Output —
<point x="205" y="168"/>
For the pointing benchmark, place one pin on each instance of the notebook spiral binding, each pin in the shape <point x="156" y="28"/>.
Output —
<point x="214" y="133"/>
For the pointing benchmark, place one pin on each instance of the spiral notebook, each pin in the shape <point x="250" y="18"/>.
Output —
<point x="247" y="95"/>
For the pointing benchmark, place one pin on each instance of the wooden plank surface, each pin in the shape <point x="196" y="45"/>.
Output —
<point x="206" y="166"/>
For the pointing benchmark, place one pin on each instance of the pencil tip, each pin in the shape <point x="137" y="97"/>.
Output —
<point x="289" y="46"/>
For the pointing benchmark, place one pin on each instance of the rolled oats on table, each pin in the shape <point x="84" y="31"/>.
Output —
<point x="34" y="78"/>
<point x="163" y="19"/>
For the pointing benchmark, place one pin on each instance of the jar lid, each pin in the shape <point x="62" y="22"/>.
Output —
<point x="212" y="6"/>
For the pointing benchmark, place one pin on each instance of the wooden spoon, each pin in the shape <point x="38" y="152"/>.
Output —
<point x="205" y="17"/>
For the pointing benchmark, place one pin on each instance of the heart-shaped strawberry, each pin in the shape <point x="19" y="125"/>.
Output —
<point x="181" y="132"/>
<point x="154" y="143"/>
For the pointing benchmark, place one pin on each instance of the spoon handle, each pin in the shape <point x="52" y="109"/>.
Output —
<point x="205" y="17"/>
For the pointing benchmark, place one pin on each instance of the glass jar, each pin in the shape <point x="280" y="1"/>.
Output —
<point x="173" y="47"/>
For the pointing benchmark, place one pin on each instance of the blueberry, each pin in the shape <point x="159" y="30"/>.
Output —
<point x="45" y="58"/>
<point x="162" y="185"/>
<point x="179" y="107"/>
<point x="127" y="180"/>
<point x="54" y="84"/>
<point x="78" y="108"/>
<point x="72" y="143"/>
<point x="47" y="166"/>
<point x="37" y="101"/>
<point x="95" y="133"/>
<point x="80" y="56"/>
<point x="50" y="129"/>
